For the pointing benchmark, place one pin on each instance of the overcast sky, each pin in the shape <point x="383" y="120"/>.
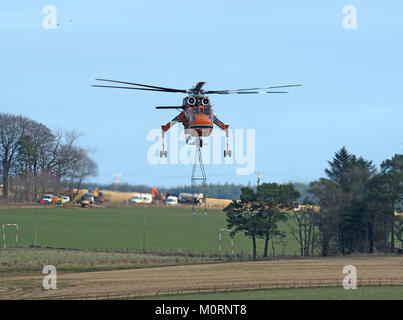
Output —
<point x="352" y="93"/>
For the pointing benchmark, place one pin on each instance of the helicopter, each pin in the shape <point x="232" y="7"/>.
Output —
<point x="196" y="113"/>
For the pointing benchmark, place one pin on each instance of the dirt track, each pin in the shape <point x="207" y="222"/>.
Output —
<point x="202" y="277"/>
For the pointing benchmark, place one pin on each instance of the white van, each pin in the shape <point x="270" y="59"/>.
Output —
<point x="146" y="198"/>
<point x="171" y="200"/>
<point x="136" y="198"/>
<point x="47" y="199"/>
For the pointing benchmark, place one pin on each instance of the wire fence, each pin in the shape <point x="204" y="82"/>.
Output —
<point x="229" y="287"/>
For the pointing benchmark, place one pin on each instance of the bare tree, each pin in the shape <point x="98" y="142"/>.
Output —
<point x="78" y="170"/>
<point x="27" y="169"/>
<point x="302" y="226"/>
<point x="12" y="128"/>
<point x="35" y="160"/>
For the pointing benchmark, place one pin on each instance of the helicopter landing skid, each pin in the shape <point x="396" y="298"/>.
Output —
<point x="227" y="152"/>
<point x="163" y="152"/>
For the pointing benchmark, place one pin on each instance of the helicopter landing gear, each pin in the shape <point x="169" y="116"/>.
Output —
<point x="163" y="152"/>
<point x="227" y="152"/>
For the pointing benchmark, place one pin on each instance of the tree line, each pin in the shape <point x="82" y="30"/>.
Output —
<point x="352" y="210"/>
<point x="35" y="160"/>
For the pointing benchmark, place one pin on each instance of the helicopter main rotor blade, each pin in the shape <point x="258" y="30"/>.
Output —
<point x="252" y="89"/>
<point x="133" y="88"/>
<point x="144" y="85"/>
<point x="242" y="92"/>
<point x="275" y="87"/>
<point x="198" y="86"/>
<point x="286" y="86"/>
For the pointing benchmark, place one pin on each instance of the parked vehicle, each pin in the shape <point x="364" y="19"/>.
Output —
<point x="98" y="196"/>
<point x="141" y="198"/>
<point x="64" y="200"/>
<point x="146" y="198"/>
<point x="47" y="199"/>
<point x="90" y="197"/>
<point x="171" y="200"/>
<point x="135" y="199"/>
<point x="189" y="198"/>
<point x="86" y="200"/>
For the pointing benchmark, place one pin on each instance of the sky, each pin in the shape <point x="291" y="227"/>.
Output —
<point x="351" y="93"/>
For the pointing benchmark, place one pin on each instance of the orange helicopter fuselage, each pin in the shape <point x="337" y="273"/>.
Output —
<point x="197" y="117"/>
<point x="198" y="120"/>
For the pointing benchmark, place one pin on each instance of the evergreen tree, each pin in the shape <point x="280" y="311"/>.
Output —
<point x="273" y="199"/>
<point x="244" y="216"/>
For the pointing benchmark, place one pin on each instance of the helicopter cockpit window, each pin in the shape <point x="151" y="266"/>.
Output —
<point x="195" y="110"/>
<point x="207" y="111"/>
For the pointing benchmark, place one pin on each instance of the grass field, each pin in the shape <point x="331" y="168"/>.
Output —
<point x="168" y="229"/>
<point x="14" y="260"/>
<point x="181" y="250"/>
<point x="328" y="293"/>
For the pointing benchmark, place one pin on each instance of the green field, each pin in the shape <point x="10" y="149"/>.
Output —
<point x="329" y="293"/>
<point x="172" y="230"/>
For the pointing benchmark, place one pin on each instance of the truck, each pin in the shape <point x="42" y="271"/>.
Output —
<point x="98" y="196"/>
<point x="86" y="200"/>
<point x="190" y="198"/>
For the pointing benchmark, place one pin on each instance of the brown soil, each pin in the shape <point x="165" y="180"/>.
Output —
<point x="195" y="278"/>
